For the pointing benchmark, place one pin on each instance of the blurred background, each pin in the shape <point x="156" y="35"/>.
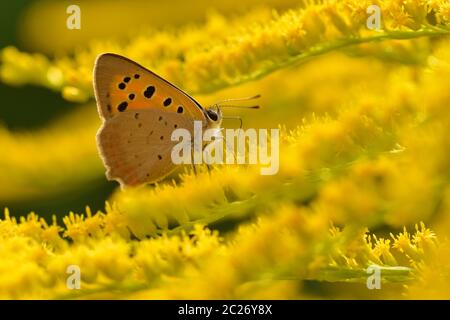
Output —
<point x="26" y="108"/>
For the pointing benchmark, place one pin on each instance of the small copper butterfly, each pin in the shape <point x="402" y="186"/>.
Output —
<point x="140" y="110"/>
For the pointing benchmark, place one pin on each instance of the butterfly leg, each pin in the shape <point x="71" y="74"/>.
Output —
<point x="192" y="160"/>
<point x="229" y="148"/>
<point x="207" y="165"/>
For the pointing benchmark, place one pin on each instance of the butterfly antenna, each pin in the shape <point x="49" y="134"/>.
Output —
<point x="238" y="100"/>
<point x="233" y="106"/>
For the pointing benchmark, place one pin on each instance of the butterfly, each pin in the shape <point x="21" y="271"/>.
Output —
<point x="139" y="111"/>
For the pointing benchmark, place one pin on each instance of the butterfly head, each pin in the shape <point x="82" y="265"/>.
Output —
<point x="214" y="116"/>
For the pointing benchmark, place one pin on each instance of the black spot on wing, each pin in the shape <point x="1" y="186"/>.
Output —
<point x="148" y="93"/>
<point x="122" y="106"/>
<point x="167" y="102"/>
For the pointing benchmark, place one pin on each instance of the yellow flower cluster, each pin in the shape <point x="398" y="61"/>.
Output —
<point x="201" y="262"/>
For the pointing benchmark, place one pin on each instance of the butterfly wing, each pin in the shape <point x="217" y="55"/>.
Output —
<point x="136" y="145"/>
<point x="121" y="84"/>
<point x="140" y="111"/>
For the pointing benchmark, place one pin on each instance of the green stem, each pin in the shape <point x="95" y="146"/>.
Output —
<point x="389" y="274"/>
<point x="322" y="49"/>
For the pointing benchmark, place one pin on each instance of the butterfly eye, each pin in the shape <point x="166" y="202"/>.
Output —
<point x="212" y="114"/>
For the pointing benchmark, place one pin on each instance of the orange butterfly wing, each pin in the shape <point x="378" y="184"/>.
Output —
<point x="121" y="84"/>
